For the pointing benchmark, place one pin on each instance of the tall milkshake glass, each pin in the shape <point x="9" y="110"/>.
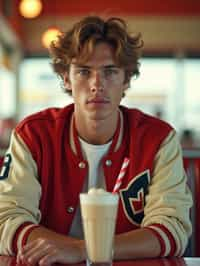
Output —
<point x="99" y="211"/>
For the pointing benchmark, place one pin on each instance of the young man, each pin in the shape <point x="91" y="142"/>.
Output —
<point x="58" y="153"/>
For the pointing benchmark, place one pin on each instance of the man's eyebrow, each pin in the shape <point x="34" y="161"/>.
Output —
<point x="90" y="67"/>
<point x="81" y="66"/>
<point x="111" y="66"/>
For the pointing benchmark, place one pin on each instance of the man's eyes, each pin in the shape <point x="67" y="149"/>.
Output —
<point x="105" y="72"/>
<point x="83" y="72"/>
<point x="110" y="71"/>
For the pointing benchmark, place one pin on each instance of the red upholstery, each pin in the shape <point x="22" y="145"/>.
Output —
<point x="192" y="167"/>
<point x="197" y="204"/>
<point x="1" y="161"/>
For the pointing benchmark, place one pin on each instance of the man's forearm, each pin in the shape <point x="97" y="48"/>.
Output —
<point x="43" y="232"/>
<point x="58" y="247"/>
<point x="139" y="243"/>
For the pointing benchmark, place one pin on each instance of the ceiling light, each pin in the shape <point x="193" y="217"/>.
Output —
<point x="30" y="8"/>
<point x="50" y="35"/>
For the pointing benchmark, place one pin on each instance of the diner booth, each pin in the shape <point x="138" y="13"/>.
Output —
<point x="191" y="159"/>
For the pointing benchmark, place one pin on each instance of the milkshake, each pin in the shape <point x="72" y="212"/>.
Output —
<point x="99" y="211"/>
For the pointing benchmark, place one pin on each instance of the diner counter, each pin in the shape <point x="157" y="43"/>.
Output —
<point x="11" y="261"/>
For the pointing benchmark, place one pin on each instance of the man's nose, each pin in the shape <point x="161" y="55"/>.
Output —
<point x="97" y="82"/>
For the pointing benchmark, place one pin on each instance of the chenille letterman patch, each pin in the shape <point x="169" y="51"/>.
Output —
<point x="5" y="167"/>
<point x="133" y="197"/>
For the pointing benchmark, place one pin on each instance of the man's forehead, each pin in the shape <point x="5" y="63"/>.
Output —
<point x="102" y="53"/>
<point x="93" y="64"/>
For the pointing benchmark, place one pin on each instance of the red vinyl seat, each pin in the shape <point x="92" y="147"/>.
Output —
<point x="191" y="161"/>
<point x="1" y="161"/>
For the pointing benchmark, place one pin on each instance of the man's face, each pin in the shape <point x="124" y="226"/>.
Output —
<point x="97" y="85"/>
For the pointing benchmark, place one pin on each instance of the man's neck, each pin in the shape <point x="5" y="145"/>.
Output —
<point x="96" y="132"/>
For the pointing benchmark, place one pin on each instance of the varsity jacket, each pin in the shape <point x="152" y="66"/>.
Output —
<point x="44" y="172"/>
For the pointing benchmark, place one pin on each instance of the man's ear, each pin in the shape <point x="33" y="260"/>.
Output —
<point x="67" y="82"/>
<point x="126" y="85"/>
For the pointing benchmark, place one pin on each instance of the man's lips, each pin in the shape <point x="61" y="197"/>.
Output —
<point x="98" y="100"/>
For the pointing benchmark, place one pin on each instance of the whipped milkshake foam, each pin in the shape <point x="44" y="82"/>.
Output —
<point x="99" y="211"/>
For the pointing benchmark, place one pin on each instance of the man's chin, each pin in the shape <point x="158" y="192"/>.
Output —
<point x="98" y="115"/>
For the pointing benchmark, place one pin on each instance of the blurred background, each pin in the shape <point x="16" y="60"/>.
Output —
<point x="168" y="86"/>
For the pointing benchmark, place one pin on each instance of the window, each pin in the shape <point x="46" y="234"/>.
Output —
<point x="166" y="87"/>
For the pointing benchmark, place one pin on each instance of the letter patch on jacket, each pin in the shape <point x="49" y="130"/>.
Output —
<point x="5" y="167"/>
<point x="133" y="197"/>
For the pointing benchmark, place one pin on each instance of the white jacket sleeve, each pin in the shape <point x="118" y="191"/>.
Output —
<point x="20" y="192"/>
<point x="169" y="199"/>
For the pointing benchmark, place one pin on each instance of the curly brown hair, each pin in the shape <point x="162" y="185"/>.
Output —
<point x="80" y="40"/>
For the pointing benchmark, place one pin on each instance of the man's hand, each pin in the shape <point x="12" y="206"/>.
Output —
<point x="46" y="252"/>
<point x="54" y="248"/>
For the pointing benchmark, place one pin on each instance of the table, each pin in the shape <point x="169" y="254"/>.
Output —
<point x="10" y="261"/>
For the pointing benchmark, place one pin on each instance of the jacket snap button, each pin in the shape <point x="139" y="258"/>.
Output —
<point x="70" y="209"/>
<point x="108" y="162"/>
<point x="81" y="165"/>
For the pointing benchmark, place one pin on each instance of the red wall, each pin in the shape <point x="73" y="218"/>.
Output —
<point x="105" y="7"/>
<point x="1" y="6"/>
<point x="127" y="7"/>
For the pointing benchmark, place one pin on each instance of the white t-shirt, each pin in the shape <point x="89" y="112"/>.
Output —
<point x="93" y="154"/>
